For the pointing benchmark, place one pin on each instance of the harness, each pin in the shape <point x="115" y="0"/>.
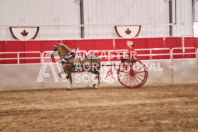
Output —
<point x="76" y="64"/>
<point x="76" y="57"/>
<point x="69" y="55"/>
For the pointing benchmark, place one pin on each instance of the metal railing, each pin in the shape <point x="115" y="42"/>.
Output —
<point x="18" y="58"/>
<point x="184" y="51"/>
<point x="155" y="49"/>
<point x="108" y="54"/>
<point x="46" y="55"/>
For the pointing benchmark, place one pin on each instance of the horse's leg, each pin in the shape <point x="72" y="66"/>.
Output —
<point x="97" y="73"/>
<point x="70" y="79"/>
<point x="98" y="80"/>
<point x="62" y="72"/>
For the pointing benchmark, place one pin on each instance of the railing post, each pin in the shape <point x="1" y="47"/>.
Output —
<point x="40" y="57"/>
<point x="150" y="54"/>
<point x="183" y="45"/>
<point x="197" y="54"/>
<point x="18" y="60"/>
<point x="109" y="57"/>
<point x="113" y="43"/>
<point x="171" y="54"/>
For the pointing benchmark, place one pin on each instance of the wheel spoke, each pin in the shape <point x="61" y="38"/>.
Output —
<point x="131" y="80"/>
<point x="140" y="72"/>
<point x="140" y="75"/>
<point x="126" y="80"/>
<point x="136" y="81"/>
<point x="139" y="78"/>
<point x="122" y="76"/>
<point x="125" y="72"/>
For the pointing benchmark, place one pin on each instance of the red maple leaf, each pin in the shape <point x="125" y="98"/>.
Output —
<point x="24" y="33"/>
<point x="128" y="31"/>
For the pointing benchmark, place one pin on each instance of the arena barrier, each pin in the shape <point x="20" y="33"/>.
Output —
<point x="45" y="75"/>
<point x="42" y="76"/>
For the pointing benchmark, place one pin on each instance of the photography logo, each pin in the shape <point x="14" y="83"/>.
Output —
<point x="108" y="73"/>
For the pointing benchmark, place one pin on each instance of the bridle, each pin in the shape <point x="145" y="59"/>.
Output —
<point x="56" y="49"/>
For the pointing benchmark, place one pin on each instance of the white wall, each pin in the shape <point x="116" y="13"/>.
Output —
<point x="126" y="12"/>
<point x="67" y="12"/>
<point x="184" y="18"/>
<point x="34" y="76"/>
<point x="196" y="11"/>
<point x="41" y="12"/>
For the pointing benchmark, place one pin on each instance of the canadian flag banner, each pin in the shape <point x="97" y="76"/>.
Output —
<point x="24" y="33"/>
<point x="128" y="31"/>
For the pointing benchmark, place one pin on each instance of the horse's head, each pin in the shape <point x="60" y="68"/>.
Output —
<point x="55" y="50"/>
<point x="60" y="49"/>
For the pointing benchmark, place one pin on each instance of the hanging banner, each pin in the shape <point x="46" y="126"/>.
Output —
<point x="24" y="33"/>
<point x="127" y="31"/>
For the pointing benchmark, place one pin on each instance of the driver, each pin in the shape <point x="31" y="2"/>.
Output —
<point x="131" y="51"/>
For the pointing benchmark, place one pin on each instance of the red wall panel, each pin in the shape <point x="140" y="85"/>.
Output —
<point x="157" y="43"/>
<point x="174" y="42"/>
<point x="48" y="45"/>
<point x="196" y="42"/>
<point x="189" y="42"/>
<point x="100" y="44"/>
<point x="33" y="46"/>
<point x="1" y="50"/>
<point x="13" y="46"/>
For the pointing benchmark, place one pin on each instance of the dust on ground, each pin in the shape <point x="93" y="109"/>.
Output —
<point x="147" y="109"/>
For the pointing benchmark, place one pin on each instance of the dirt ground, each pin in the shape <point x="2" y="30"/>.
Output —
<point x="147" y="109"/>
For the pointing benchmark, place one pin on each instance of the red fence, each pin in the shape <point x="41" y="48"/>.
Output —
<point x="98" y="44"/>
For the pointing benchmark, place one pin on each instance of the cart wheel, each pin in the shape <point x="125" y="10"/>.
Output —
<point x="132" y="74"/>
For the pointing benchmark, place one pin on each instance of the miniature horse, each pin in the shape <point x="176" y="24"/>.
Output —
<point x="89" y="63"/>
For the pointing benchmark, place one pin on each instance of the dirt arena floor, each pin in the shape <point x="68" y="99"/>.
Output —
<point x="147" y="109"/>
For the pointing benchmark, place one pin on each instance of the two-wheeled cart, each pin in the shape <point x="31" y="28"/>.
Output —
<point x="132" y="73"/>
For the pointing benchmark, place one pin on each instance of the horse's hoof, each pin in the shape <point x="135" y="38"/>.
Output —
<point x="59" y="74"/>
<point x="94" y="86"/>
<point x="68" y="89"/>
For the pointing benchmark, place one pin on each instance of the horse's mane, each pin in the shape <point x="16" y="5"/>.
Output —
<point x="65" y="47"/>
